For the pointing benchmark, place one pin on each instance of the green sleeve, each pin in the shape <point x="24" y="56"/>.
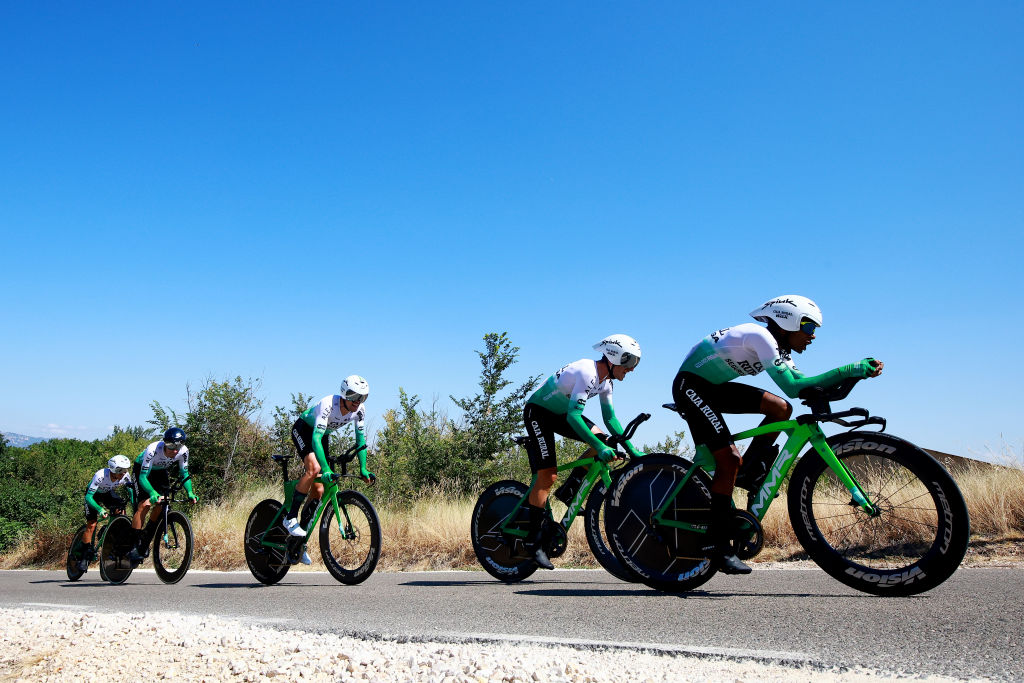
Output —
<point x="188" y="482"/>
<point x="131" y="493"/>
<point x="615" y="427"/>
<point x="792" y="381"/>
<point x="318" y="450"/>
<point x="92" y="501"/>
<point x="144" y="481"/>
<point x="361" y="454"/>
<point x="575" y="419"/>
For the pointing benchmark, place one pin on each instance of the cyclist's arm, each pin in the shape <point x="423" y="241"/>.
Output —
<point x="318" y="450"/>
<point x="792" y="381"/>
<point x="127" y="486"/>
<point x="614" y="426"/>
<point x="146" y="486"/>
<point x="92" y="502"/>
<point x="361" y="453"/>
<point x="575" y="419"/>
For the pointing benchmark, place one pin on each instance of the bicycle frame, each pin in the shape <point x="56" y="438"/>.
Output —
<point x="597" y="470"/>
<point x="331" y="489"/>
<point x="800" y="431"/>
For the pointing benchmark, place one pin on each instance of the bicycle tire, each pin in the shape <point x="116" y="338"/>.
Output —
<point x="118" y="540"/>
<point x="666" y="558"/>
<point x="593" y="520"/>
<point x="350" y="553"/>
<point x="172" y="547"/>
<point x="503" y="557"/>
<point x="917" y="539"/>
<point x="75" y="555"/>
<point x="267" y="564"/>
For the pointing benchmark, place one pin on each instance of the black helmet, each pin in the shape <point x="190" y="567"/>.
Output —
<point x="174" y="435"/>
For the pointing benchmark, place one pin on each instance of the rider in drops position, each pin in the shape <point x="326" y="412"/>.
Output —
<point x="100" y="497"/>
<point x="557" y="408"/>
<point x="311" y="437"/>
<point x="702" y="391"/>
<point x="150" y="470"/>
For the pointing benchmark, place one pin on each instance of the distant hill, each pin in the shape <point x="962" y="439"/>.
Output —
<point x="20" y="440"/>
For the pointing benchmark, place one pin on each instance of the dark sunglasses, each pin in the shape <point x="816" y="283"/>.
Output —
<point x="628" y="360"/>
<point x="808" y="327"/>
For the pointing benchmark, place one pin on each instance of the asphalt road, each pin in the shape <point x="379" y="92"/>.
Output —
<point x="968" y="627"/>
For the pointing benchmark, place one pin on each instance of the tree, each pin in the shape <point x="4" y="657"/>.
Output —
<point x="226" y="445"/>
<point x="490" y="420"/>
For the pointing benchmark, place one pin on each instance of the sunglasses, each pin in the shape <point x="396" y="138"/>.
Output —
<point x="808" y="327"/>
<point x="628" y="360"/>
<point x="173" y="445"/>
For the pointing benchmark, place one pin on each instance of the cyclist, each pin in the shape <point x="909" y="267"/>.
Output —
<point x="557" y="408"/>
<point x="311" y="437"/>
<point x="703" y="391"/>
<point x="100" y="497"/>
<point x="151" y="472"/>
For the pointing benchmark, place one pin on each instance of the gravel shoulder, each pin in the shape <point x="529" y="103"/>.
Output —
<point x="60" y="645"/>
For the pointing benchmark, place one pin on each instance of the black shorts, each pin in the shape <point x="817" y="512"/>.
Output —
<point x="159" y="479"/>
<point x="109" y="500"/>
<point x="302" y="439"/>
<point x="703" y="403"/>
<point x="542" y="425"/>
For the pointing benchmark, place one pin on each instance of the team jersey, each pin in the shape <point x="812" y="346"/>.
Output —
<point x="572" y="386"/>
<point x="566" y="393"/>
<point x="749" y="349"/>
<point x="724" y="355"/>
<point x="102" y="482"/>
<point x="326" y="416"/>
<point x="155" y="458"/>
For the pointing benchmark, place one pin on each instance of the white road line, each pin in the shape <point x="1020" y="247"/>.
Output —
<point x="57" y="605"/>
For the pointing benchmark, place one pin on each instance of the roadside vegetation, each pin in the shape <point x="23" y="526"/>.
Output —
<point x="430" y="467"/>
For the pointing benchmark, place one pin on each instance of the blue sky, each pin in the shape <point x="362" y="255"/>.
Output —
<point x="298" y="192"/>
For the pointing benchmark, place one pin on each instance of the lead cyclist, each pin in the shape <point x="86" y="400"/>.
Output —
<point x="703" y="391"/>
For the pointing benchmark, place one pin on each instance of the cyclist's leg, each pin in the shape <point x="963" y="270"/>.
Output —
<point x="544" y="465"/>
<point x="761" y="452"/>
<point x="88" y="552"/>
<point x="697" y="398"/>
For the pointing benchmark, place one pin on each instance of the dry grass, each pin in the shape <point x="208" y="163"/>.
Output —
<point x="433" y="533"/>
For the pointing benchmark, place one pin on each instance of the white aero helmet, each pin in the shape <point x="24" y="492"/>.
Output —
<point x="119" y="463"/>
<point x="787" y="312"/>
<point x="620" y="349"/>
<point x="354" y="388"/>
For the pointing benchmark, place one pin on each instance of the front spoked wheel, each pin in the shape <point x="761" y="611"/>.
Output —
<point x="266" y="542"/>
<point x="668" y="558"/>
<point x="597" y="539"/>
<point x="503" y="556"/>
<point x="75" y="554"/>
<point x="916" y="537"/>
<point x="118" y="540"/>
<point x="172" y="547"/>
<point x="350" y="545"/>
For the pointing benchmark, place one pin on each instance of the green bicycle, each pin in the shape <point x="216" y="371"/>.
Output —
<point x="78" y="547"/>
<point x="874" y="511"/>
<point x="349" y="546"/>
<point x="499" y="524"/>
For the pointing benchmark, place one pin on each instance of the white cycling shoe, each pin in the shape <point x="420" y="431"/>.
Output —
<point x="293" y="527"/>
<point x="305" y="559"/>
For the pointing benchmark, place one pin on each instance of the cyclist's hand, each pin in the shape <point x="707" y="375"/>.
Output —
<point x="154" y="498"/>
<point x="871" y="367"/>
<point x="193" y="499"/>
<point x="104" y="514"/>
<point x="606" y="454"/>
<point x="368" y="476"/>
